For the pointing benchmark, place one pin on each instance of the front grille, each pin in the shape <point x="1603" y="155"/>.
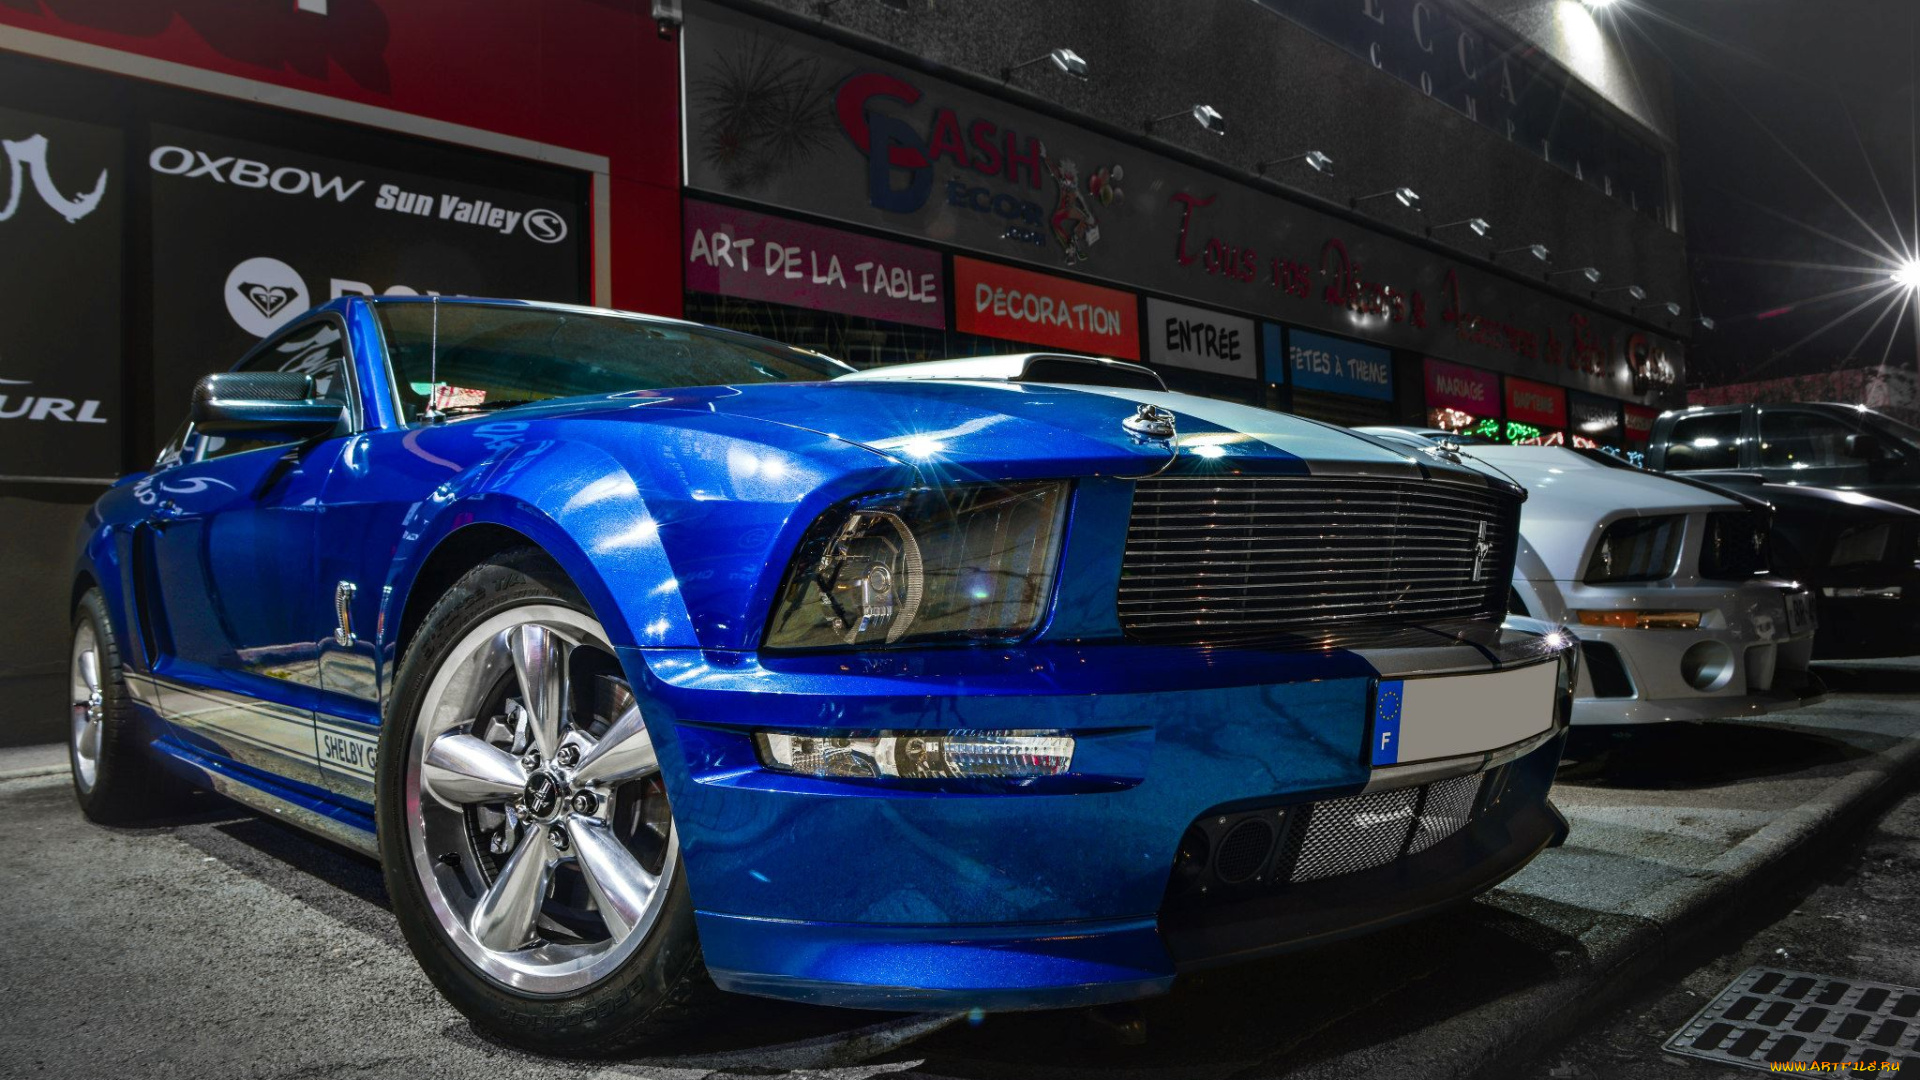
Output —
<point x="1221" y="557"/>
<point x="1250" y="851"/>
<point x="1343" y="836"/>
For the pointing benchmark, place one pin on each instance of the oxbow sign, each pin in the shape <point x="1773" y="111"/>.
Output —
<point x="897" y="150"/>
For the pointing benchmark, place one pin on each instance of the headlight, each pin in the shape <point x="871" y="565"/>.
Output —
<point x="973" y="562"/>
<point x="1735" y="546"/>
<point x="1637" y="549"/>
<point x="1861" y="545"/>
<point x="920" y="755"/>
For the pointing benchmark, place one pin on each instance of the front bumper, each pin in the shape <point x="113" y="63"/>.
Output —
<point x="1744" y="660"/>
<point x="1048" y="894"/>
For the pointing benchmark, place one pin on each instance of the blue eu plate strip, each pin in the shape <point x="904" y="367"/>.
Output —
<point x="1386" y="722"/>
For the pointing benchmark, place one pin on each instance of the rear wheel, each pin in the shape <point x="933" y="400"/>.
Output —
<point x="525" y="831"/>
<point x="113" y="778"/>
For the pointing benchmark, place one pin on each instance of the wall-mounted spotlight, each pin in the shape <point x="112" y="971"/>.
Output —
<point x="1591" y="273"/>
<point x="1313" y="159"/>
<point x="1670" y="307"/>
<point x="1066" y="60"/>
<point x="1205" y="115"/>
<point x="1405" y="196"/>
<point x="1634" y="291"/>
<point x="1705" y="321"/>
<point x="1478" y="225"/>
<point x="1538" y="251"/>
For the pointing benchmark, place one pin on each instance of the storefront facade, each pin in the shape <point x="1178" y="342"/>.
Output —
<point x="883" y="213"/>
<point x="185" y="179"/>
<point x="875" y="179"/>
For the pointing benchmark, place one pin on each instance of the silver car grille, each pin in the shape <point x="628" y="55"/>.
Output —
<point x="1220" y="557"/>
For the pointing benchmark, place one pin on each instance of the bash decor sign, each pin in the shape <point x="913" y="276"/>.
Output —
<point x="1020" y="305"/>
<point x="758" y="257"/>
<point x="1180" y="335"/>
<point x="783" y="119"/>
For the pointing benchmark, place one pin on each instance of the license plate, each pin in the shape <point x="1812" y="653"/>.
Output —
<point x="1799" y="612"/>
<point x="1451" y="715"/>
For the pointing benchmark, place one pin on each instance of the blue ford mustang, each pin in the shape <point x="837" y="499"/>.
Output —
<point x="650" y="658"/>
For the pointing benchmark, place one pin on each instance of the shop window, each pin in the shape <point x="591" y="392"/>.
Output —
<point x="1705" y="441"/>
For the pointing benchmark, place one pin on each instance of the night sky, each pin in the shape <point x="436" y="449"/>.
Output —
<point x="1759" y="84"/>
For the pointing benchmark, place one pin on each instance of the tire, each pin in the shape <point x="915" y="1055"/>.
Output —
<point x="445" y="780"/>
<point x="115" y="780"/>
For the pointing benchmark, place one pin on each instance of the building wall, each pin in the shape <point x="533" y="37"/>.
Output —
<point x="1284" y="90"/>
<point x="558" y="82"/>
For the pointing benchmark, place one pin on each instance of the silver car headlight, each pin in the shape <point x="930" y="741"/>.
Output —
<point x="1636" y="549"/>
<point x="970" y="562"/>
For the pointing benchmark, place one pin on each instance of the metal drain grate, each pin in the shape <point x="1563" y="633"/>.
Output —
<point x="1769" y="1017"/>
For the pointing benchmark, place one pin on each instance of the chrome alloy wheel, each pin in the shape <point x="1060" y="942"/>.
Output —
<point x="89" y="705"/>
<point x="539" y="825"/>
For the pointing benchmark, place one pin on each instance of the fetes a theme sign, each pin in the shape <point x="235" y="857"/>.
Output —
<point x="1317" y="362"/>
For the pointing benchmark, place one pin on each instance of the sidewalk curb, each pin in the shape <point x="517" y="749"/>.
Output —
<point x="1612" y="953"/>
<point x="28" y="774"/>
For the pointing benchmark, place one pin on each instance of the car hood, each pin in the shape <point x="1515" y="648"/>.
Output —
<point x="1006" y="430"/>
<point x="1570" y="499"/>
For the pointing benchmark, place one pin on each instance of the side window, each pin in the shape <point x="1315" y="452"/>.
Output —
<point x="1704" y="441"/>
<point x="1792" y="439"/>
<point x="317" y="348"/>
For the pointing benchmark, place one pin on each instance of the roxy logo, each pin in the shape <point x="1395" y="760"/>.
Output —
<point x="262" y="293"/>
<point x="18" y="405"/>
<point x="27" y="160"/>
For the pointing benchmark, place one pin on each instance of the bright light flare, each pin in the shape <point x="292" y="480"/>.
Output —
<point x="1907" y="275"/>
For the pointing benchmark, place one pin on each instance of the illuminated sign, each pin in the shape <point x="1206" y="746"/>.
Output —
<point x="1020" y="305"/>
<point x="740" y="253"/>
<point x="1456" y="386"/>
<point x="1535" y="403"/>
<point x="1181" y="335"/>
<point x="1317" y="362"/>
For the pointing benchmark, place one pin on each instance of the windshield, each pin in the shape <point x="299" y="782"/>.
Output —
<point x="499" y="355"/>
<point x="1900" y="430"/>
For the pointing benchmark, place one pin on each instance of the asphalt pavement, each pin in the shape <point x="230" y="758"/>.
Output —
<point x="222" y="944"/>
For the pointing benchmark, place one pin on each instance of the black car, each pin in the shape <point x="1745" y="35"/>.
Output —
<point x="1844" y="482"/>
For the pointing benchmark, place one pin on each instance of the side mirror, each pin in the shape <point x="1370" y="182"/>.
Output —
<point x="1866" y="448"/>
<point x="263" y="402"/>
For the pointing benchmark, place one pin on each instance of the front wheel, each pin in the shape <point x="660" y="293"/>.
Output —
<point x="524" y="827"/>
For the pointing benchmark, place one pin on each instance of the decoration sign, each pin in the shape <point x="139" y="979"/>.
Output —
<point x="1530" y="402"/>
<point x="1640" y="423"/>
<point x="784" y="119"/>
<point x="1456" y="386"/>
<point x="1343" y="367"/>
<point x="1180" y="335"/>
<point x="741" y="253"/>
<point x="1019" y="305"/>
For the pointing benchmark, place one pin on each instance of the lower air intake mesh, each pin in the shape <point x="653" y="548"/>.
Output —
<point x="1360" y="832"/>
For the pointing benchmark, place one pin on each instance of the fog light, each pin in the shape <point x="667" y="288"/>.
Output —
<point x="920" y="755"/>
<point x="1641" y="620"/>
<point x="1707" y="665"/>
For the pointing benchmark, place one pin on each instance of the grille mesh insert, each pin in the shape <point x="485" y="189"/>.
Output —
<point x="1209" y="557"/>
<point x="1360" y="832"/>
